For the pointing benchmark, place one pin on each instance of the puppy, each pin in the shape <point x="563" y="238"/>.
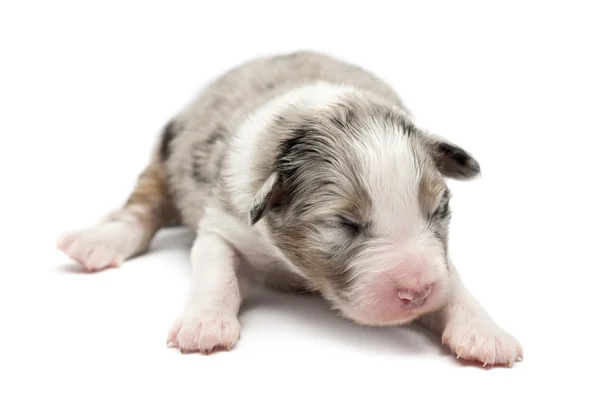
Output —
<point x="305" y="173"/>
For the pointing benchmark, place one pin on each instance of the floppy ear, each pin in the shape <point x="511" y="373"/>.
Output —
<point x="452" y="160"/>
<point x="268" y="195"/>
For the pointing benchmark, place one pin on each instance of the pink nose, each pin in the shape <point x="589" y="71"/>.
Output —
<point x="412" y="299"/>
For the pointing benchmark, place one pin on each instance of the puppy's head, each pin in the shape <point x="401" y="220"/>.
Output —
<point x="357" y="200"/>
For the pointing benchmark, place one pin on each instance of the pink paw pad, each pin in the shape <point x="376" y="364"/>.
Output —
<point x="204" y="332"/>
<point x="102" y="246"/>
<point x="488" y="345"/>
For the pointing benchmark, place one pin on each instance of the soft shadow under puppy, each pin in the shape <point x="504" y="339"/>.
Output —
<point x="174" y="238"/>
<point x="311" y="312"/>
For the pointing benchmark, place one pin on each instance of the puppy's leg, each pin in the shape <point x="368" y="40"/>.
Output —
<point x="209" y="321"/>
<point x="127" y="232"/>
<point x="469" y="331"/>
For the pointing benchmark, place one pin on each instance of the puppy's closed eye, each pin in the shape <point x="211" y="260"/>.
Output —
<point x="351" y="225"/>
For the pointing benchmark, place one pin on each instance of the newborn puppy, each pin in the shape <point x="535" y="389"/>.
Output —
<point x="305" y="173"/>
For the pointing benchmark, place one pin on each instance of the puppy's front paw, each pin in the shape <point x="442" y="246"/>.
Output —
<point x="205" y="331"/>
<point x="482" y="341"/>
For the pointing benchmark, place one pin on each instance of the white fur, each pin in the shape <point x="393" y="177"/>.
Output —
<point x="469" y="331"/>
<point x="113" y="240"/>
<point x="260" y="253"/>
<point x="402" y="260"/>
<point x="209" y="320"/>
<point x="384" y="157"/>
<point x="404" y="247"/>
<point x="246" y="142"/>
<point x="255" y="242"/>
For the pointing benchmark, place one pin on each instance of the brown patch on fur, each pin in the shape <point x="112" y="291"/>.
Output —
<point x="327" y="272"/>
<point x="300" y="238"/>
<point x="431" y="188"/>
<point x="226" y="103"/>
<point x="150" y="200"/>
<point x="320" y="183"/>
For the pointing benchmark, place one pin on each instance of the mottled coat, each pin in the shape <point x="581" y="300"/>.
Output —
<point x="195" y="142"/>
<point x="306" y="173"/>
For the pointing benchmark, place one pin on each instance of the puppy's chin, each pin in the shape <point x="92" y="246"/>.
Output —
<point x="369" y="320"/>
<point x="377" y="318"/>
<point x="390" y="311"/>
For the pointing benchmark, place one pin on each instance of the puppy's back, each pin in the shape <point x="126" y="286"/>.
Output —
<point x="199" y="136"/>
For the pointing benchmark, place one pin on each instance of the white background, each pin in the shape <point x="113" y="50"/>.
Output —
<point x="85" y="89"/>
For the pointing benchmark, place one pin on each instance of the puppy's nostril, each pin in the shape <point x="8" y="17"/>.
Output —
<point x="405" y="296"/>
<point x="414" y="297"/>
